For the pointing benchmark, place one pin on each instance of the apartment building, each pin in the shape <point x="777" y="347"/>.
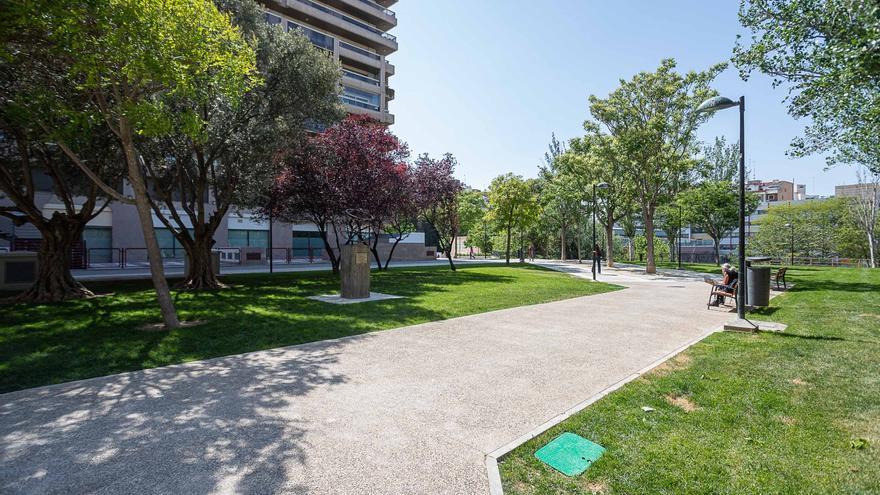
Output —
<point x="354" y="32"/>
<point x="777" y="190"/>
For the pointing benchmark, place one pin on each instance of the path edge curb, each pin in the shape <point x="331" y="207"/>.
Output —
<point x="492" y="458"/>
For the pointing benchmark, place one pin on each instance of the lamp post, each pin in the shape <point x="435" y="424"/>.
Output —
<point x="601" y="185"/>
<point x="680" y="215"/>
<point x="721" y="103"/>
<point x="791" y="234"/>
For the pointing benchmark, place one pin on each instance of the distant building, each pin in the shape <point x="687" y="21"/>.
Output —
<point x="861" y="191"/>
<point x="777" y="190"/>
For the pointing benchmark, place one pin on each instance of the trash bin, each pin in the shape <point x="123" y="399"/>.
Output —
<point x="759" y="286"/>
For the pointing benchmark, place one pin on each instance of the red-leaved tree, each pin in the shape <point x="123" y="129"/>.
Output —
<point x="436" y="190"/>
<point x="348" y="179"/>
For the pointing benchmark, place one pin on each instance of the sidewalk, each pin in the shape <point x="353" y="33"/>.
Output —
<point x="414" y="410"/>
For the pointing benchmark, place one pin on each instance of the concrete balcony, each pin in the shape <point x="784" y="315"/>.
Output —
<point x="359" y="55"/>
<point x="389" y="68"/>
<point x="338" y="23"/>
<point x="358" y="81"/>
<point x="384" y="117"/>
<point x="389" y="93"/>
<point x="367" y="10"/>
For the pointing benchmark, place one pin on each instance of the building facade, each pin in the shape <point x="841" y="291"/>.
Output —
<point x="354" y="32"/>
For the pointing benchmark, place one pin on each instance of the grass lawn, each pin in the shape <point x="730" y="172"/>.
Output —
<point x="43" y="344"/>
<point x="743" y="413"/>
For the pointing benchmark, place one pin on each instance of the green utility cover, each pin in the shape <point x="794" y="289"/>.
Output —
<point x="570" y="454"/>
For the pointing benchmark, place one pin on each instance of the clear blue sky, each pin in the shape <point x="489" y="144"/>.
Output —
<point x="490" y="80"/>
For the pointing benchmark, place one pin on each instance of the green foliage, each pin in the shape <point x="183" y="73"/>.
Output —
<point x="652" y="119"/>
<point x="713" y="207"/>
<point x="819" y="229"/>
<point x="826" y="53"/>
<point x="512" y="206"/>
<point x="720" y="162"/>
<point x="472" y="208"/>
<point x="640" y="248"/>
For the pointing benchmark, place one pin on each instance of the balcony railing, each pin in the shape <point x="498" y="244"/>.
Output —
<point x="358" y="103"/>
<point x="348" y="19"/>
<point x="360" y="50"/>
<point x="360" y="77"/>
<point x="379" y="8"/>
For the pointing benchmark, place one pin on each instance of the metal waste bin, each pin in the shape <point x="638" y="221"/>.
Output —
<point x="759" y="285"/>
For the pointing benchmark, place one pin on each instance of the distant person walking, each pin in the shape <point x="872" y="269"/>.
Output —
<point x="597" y="258"/>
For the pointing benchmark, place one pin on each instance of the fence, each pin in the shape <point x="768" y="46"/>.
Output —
<point x="105" y="258"/>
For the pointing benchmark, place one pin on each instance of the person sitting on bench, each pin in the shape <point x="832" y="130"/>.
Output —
<point x="728" y="283"/>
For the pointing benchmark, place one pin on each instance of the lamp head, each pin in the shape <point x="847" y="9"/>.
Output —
<point x="716" y="103"/>
<point x="603" y="185"/>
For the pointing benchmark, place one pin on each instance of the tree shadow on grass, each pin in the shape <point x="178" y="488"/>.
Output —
<point x="80" y="339"/>
<point x="227" y="424"/>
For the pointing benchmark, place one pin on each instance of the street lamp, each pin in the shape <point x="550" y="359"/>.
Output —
<point x="601" y="185"/>
<point x="721" y="103"/>
<point x="680" y="214"/>
<point x="791" y="231"/>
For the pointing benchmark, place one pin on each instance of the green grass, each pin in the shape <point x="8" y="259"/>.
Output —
<point x="776" y="413"/>
<point x="43" y="344"/>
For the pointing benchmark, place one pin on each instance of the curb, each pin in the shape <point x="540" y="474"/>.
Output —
<point x="492" y="458"/>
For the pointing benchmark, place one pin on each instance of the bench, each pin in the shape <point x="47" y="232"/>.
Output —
<point x="719" y="289"/>
<point x="780" y="275"/>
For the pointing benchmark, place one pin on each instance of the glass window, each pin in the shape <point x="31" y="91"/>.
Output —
<point x="248" y="238"/>
<point x="320" y="40"/>
<point x="360" y="98"/>
<point x="273" y="19"/>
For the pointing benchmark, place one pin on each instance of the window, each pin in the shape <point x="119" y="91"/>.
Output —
<point x="320" y="40"/>
<point x="248" y="238"/>
<point x="273" y="19"/>
<point x="360" y="98"/>
<point x="307" y="245"/>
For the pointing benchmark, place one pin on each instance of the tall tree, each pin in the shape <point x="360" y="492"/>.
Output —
<point x="827" y="53"/>
<point x="471" y="210"/>
<point x="437" y="194"/>
<point x="128" y="56"/>
<point x="593" y="159"/>
<point x="36" y="93"/>
<point x="653" y="120"/>
<point x="865" y="208"/>
<point x="351" y="180"/>
<point x="512" y="205"/>
<point x="196" y="180"/>
<point x="713" y="207"/>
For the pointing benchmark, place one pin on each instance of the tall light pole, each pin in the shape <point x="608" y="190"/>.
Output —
<point x="601" y="185"/>
<point x="721" y="103"/>
<point x="680" y="214"/>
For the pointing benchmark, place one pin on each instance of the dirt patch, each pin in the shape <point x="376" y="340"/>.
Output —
<point x="869" y="315"/>
<point x="787" y="420"/>
<point x="682" y="402"/>
<point x="798" y="382"/>
<point x="595" y="487"/>
<point x="677" y="362"/>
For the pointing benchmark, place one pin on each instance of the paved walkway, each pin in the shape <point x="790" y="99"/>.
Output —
<point x="413" y="410"/>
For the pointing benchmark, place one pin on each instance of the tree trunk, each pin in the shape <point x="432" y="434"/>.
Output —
<point x="374" y="248"/>
<point x="200" y="274"/>
<point x="449" y="257"/>
<point x="562" y="244"/>
<point x="334" y="261"/>
<point x="609" y="245"/>
<point x="871" y="253"/>
<point x="507" y="249"/>
<point x="54" y="282"/>
<point x="630" y="248"/>
<point x="650" y="266"/>
<point x="717" y="244"/>
<point x="157" y="271"/>
<point x="671" y="241"/>
<point x="391" y="253"/>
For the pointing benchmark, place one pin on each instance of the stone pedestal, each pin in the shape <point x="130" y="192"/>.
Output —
<point x="355" y="271"/>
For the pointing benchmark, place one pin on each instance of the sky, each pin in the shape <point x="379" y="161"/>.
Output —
<point x="490" y="80"/>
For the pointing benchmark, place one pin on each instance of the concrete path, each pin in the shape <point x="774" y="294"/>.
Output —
<point x="407" y="411"/>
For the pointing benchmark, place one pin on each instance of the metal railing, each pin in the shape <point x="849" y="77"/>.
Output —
<point x="361" y="77"/>
<point x="379" y="8"/>
<point x="105" y="258"/>
<point x="358" y="103"/>
<point x="339" y="15"/>
<point x="362" y="51"/>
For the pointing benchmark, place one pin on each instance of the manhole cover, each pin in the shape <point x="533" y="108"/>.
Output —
<point x="570" y="454"/>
